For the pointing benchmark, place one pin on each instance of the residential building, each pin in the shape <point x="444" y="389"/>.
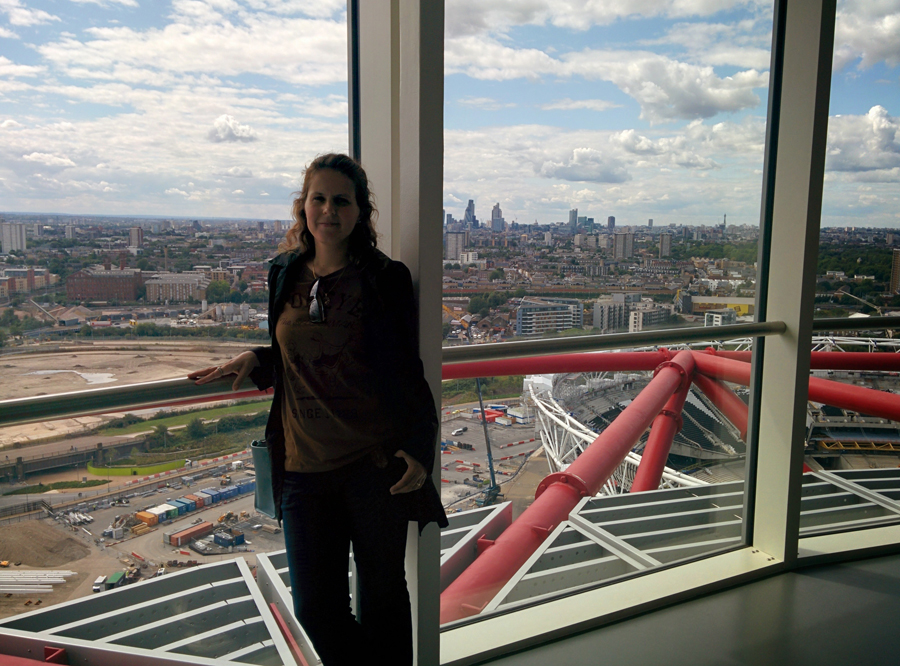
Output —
<point x="721" y="317"/>
<point x="611" y="223"/>
<point x="454" y="244"/>
<point x="12" y="237"/>
<point x="100" y="283"/>
<point x="624" y="246"/>
<point x="176" y="287"/>
<point x="539" y="315"/>
<point x="610" y="315"/>
<point x="665" y="245"/>
<point x="135" y="237"/>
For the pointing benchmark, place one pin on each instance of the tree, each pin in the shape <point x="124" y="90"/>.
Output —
<point x="497" y="274"/>
<point x="217" y="291"/>
<point x="477" y="304"/>
<point x="195" y="429"/>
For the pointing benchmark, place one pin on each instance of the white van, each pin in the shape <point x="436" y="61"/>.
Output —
<point x="98" y="584"/>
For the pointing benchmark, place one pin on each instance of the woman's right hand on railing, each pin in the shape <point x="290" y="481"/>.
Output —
<point x="240" y="365"/>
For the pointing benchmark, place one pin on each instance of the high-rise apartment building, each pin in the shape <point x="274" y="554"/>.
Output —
<point x="70" y="231"/>
<point x="135" y="237"/>
<point x="277" y="227"/>
<point x="12" y="237"/>
<point x="454" y="245"/>
<point x="548" y="238"/>
<point x="497" y="221"/>
<point x="611" y="223"/>
<point x="665" y="245"/>
<point x="650" y="223"/>
<point x="624" y="247"/>
<point x="895" y="271"/>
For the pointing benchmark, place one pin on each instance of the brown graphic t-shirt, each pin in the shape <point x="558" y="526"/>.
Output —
<point x="334" y="410"/>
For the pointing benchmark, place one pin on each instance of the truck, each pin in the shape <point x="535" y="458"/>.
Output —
<point x="116" y="580"/>
<point x="98" y="584"/>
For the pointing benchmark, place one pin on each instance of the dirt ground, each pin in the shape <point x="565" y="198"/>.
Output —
<point x="41" y="544"/>
<point x="86" y="366"/>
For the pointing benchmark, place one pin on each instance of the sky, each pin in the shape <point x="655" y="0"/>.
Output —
<point x="645" y="109"/>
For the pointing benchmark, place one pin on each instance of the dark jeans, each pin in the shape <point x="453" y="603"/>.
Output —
<point x="322" y="514"/>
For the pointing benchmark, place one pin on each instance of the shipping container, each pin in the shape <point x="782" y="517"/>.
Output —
<point x="118" y="533"/>
<point x="181" y="507"/>
<point x="224" y="540"/>
<point x="503" y="420"/>
<point x="116" y="580"/>
<point x="191" y="504"/>
<point x="185" y="536"/>
<point x="198" y="501"/>
<point x="148" y="518"/>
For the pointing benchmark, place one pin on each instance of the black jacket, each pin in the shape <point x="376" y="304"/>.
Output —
<point x="395" y="354"/>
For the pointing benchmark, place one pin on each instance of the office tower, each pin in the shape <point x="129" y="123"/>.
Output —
<point x="135" y="237"/>
<point x="611" y="223"/>
<point x="573" y="220"/>
<point x="470" y="220"/>
<point x="624" y="247"/>
<point x="895" y="271"/>
<point x="665" y="245"/>
<point x="12" y="236"/>
<point x="454" y="245"/>
<point x="497" y="221"/>
<point x="278" y="226"/>
<point x="590" y="225"/>
<point x="260" y="226"/>
<point x="650" y="223"/>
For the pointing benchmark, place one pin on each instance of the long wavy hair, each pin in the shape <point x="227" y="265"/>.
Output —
<point x="363" y="239"/>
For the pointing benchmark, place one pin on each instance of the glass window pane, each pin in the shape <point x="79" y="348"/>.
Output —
<point x="610" y="158"/>
<point x="851" y="441"/>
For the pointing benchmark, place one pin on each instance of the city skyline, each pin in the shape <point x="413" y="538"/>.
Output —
<point x="119" y="107"/>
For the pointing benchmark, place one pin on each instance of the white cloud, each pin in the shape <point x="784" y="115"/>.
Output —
<point x="263" y="194"/>
<point x="175" y="190"/>
<point x="8" y="123"/>
<point x="866" y="31"/>
<point x="744" y="43"/>
<point x="23" y="16"/>
<point x="667" y="89"/>
<point x="226" y="128"/>
<point x="10" y="69"/>
<point x="106" y="3"/>
<point x="333" y="106"/>
<point x="239" y="172"/>
<point x="305" y="52"/>
<point x="586" y="164"/>
<point x="237" y="191"/>
<point x="49" y="159"/>
<point x="484" y="103"/>
<point x="865" y="147"/>
<point x="479" y="17"/>
<point x="6" y="33"/>
<point x="572" y="104"/>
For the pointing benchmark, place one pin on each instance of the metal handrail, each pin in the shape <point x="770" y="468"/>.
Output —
<point x="181" y="391"/>
<point x="164" y="392"/>
<point x="582" y="343"/>
<point x="857" y="324"/>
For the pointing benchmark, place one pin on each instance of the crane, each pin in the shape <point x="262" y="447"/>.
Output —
<point x="878" y="308"/>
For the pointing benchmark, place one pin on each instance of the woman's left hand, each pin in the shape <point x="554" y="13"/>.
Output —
<point x="414" y="477"/>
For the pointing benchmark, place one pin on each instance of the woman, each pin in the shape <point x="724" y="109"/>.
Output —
<point x="352" y="427"/>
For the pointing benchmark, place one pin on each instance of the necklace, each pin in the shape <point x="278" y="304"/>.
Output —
<point x="325" y="299"/>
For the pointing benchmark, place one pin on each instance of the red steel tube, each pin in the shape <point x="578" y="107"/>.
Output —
<point x="831" y="360"/>
<point x="558" y="494"/>
<point x="717" y="367"/>
<point x="588" y="362"/>
<point x="856" y="398"/>
<point x="725" y="400"/>
<point x="665" y="426"/>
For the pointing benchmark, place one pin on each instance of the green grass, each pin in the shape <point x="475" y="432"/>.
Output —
<point x="59" y="485"/>
<point x="136" y="471"/>
<point x="183" y="418"/>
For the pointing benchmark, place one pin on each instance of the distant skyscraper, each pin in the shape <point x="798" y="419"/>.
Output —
<point x="135" y="237"/>
<point x="624" y="248"/>
<point x="895" y="271"/>
<point x="277" y="226"/>
<point x="590" y="225"/>
<point x="611" y="223"/>
<point x="470" y="220"/>
<point x="573" y="220"/>
<point x="497" y="221"/>
<point x="260" y="226"/>
<point x="665" y="245"/>
<point x="70" y="231"/>
<point x="454" y="246"/>
<point x="12" y="236"/>
<point x="650" y="223"/>
<point x="548" y="238"/>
